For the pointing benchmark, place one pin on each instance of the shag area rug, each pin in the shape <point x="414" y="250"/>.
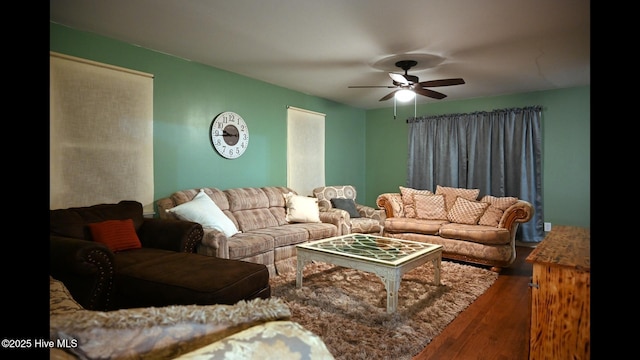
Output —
<point x="347" y="308"/>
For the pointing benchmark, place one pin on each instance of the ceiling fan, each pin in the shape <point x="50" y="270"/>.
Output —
<point x="411" y="82"/>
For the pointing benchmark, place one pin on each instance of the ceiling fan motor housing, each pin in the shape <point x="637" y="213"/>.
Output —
<point x="406" y="65"/>
<point x="410" y="78"/>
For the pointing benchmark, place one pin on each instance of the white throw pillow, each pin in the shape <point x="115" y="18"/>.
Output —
<point x="301" y="208"/>
<point x="205" y="212"/>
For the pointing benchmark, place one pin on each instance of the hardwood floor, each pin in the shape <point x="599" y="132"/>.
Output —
<point x="496" y="325"/>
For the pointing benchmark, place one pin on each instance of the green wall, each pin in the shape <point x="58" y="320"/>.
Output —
<point x="367" y="149"/>
<point x="188" y="95"/>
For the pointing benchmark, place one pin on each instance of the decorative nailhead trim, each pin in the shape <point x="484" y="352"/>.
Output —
<point x="101" y="294"/>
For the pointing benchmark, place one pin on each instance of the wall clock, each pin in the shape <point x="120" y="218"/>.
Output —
<point x="229" y="134"/>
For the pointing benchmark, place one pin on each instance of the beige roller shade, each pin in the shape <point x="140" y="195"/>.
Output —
<point x="305" y="150"/>
<point x="101" y="134"/>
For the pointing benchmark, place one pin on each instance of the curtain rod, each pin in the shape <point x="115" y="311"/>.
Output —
<point x="429" y="117"/>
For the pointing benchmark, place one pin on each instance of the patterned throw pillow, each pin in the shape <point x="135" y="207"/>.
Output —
<point x="494" y="212"/>
<point x="466" y="212"/>
<point x="450" y="194"/>
<point x="118" y="235"/>
<point x="407" y="200"/>
<point x="430" y="207"/>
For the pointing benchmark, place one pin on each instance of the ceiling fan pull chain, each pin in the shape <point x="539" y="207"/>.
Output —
<point x="394" y="108"/>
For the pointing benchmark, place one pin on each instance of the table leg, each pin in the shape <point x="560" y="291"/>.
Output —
<point x="436" y="266"/>
<point x="300" y="263"/>
<point x="392" y="284"/>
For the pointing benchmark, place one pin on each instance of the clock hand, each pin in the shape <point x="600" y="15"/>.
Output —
<point x="224" y="133"/>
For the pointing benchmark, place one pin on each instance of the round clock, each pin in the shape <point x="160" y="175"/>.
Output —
<point x="229" y="134"/>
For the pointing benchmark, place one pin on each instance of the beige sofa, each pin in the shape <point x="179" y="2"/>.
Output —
<point x="480" y="231"/>
<point x="245" y="330"/>
<point x="261" y="225"/>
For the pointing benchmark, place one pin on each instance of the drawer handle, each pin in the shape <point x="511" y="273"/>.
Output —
<point x="534" y="285"/>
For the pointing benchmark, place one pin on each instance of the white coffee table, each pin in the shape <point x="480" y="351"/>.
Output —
<point x="386" y="257"/>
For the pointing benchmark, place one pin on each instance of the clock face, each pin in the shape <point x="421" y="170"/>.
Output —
<point x="229" y="134"/>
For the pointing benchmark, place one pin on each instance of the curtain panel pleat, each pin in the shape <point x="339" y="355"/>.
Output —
<point x="498" y="152"/>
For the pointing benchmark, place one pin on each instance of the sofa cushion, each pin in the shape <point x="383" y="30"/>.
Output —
<point x="317" y="231"/>
<point x="285" y="235"/>
<point x="494" y="212"/>
<point x="163" y="277"/>
<point x="205" y="212"/>
<point x="346" y="204"/>
<point x="488" y="235"/>
<point x="257" y="208"/>
<point x="72" y="222"/>
<point x="250" y="243"/>
<point x="430" y="207"/>
<point x="218" y="196"/>
<point x="118" y="235"/>
<point x="420" y="226"/>
<point x="302" y="208"/>
<point x="407" y="200"/>
<point x="451" y="193"/>
<point x="466" y="212"/>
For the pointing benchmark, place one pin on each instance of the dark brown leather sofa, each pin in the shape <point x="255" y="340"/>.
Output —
<point x="164" y="271"/>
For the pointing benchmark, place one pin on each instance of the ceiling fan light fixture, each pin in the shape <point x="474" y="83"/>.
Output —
<point x="405" y="95"/>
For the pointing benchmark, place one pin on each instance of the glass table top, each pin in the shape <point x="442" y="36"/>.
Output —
<point x="371" y="247"/>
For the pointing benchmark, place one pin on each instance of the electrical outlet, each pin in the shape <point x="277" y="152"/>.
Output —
<point x="547" y="226"/>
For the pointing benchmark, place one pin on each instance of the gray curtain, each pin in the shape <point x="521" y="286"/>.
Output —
<point x="498" y="152"/>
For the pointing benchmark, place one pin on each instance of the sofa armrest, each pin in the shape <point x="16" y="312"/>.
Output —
<point x="85" y="267"/>
<point x="520" y="212"/>
<point x="391" y="203"/>
<point x="214" y="243"/>
<point x="337" y="217"/>
<point x="372" y="213"/>
<point x="174" y="235"/>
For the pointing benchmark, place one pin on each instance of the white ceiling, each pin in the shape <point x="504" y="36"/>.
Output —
<point x="320" y="47"/>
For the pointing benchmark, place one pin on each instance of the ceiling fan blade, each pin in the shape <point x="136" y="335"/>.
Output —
<point x="429" y="93"/>
<point x="388" y="96"/>
<point x="373" y="86"/>
<point x="399" y="78"/>
<point x="442" y="82"/>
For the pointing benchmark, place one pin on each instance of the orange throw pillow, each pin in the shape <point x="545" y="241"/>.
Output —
<point x="118" y="235"/>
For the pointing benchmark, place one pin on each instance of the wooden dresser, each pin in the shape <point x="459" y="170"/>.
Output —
<point x="561" y="295"/>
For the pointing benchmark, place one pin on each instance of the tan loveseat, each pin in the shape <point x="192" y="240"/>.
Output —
<point x="245" y="330"/>
<point x="480" y="231"/>
<point x="261" y="225"/>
